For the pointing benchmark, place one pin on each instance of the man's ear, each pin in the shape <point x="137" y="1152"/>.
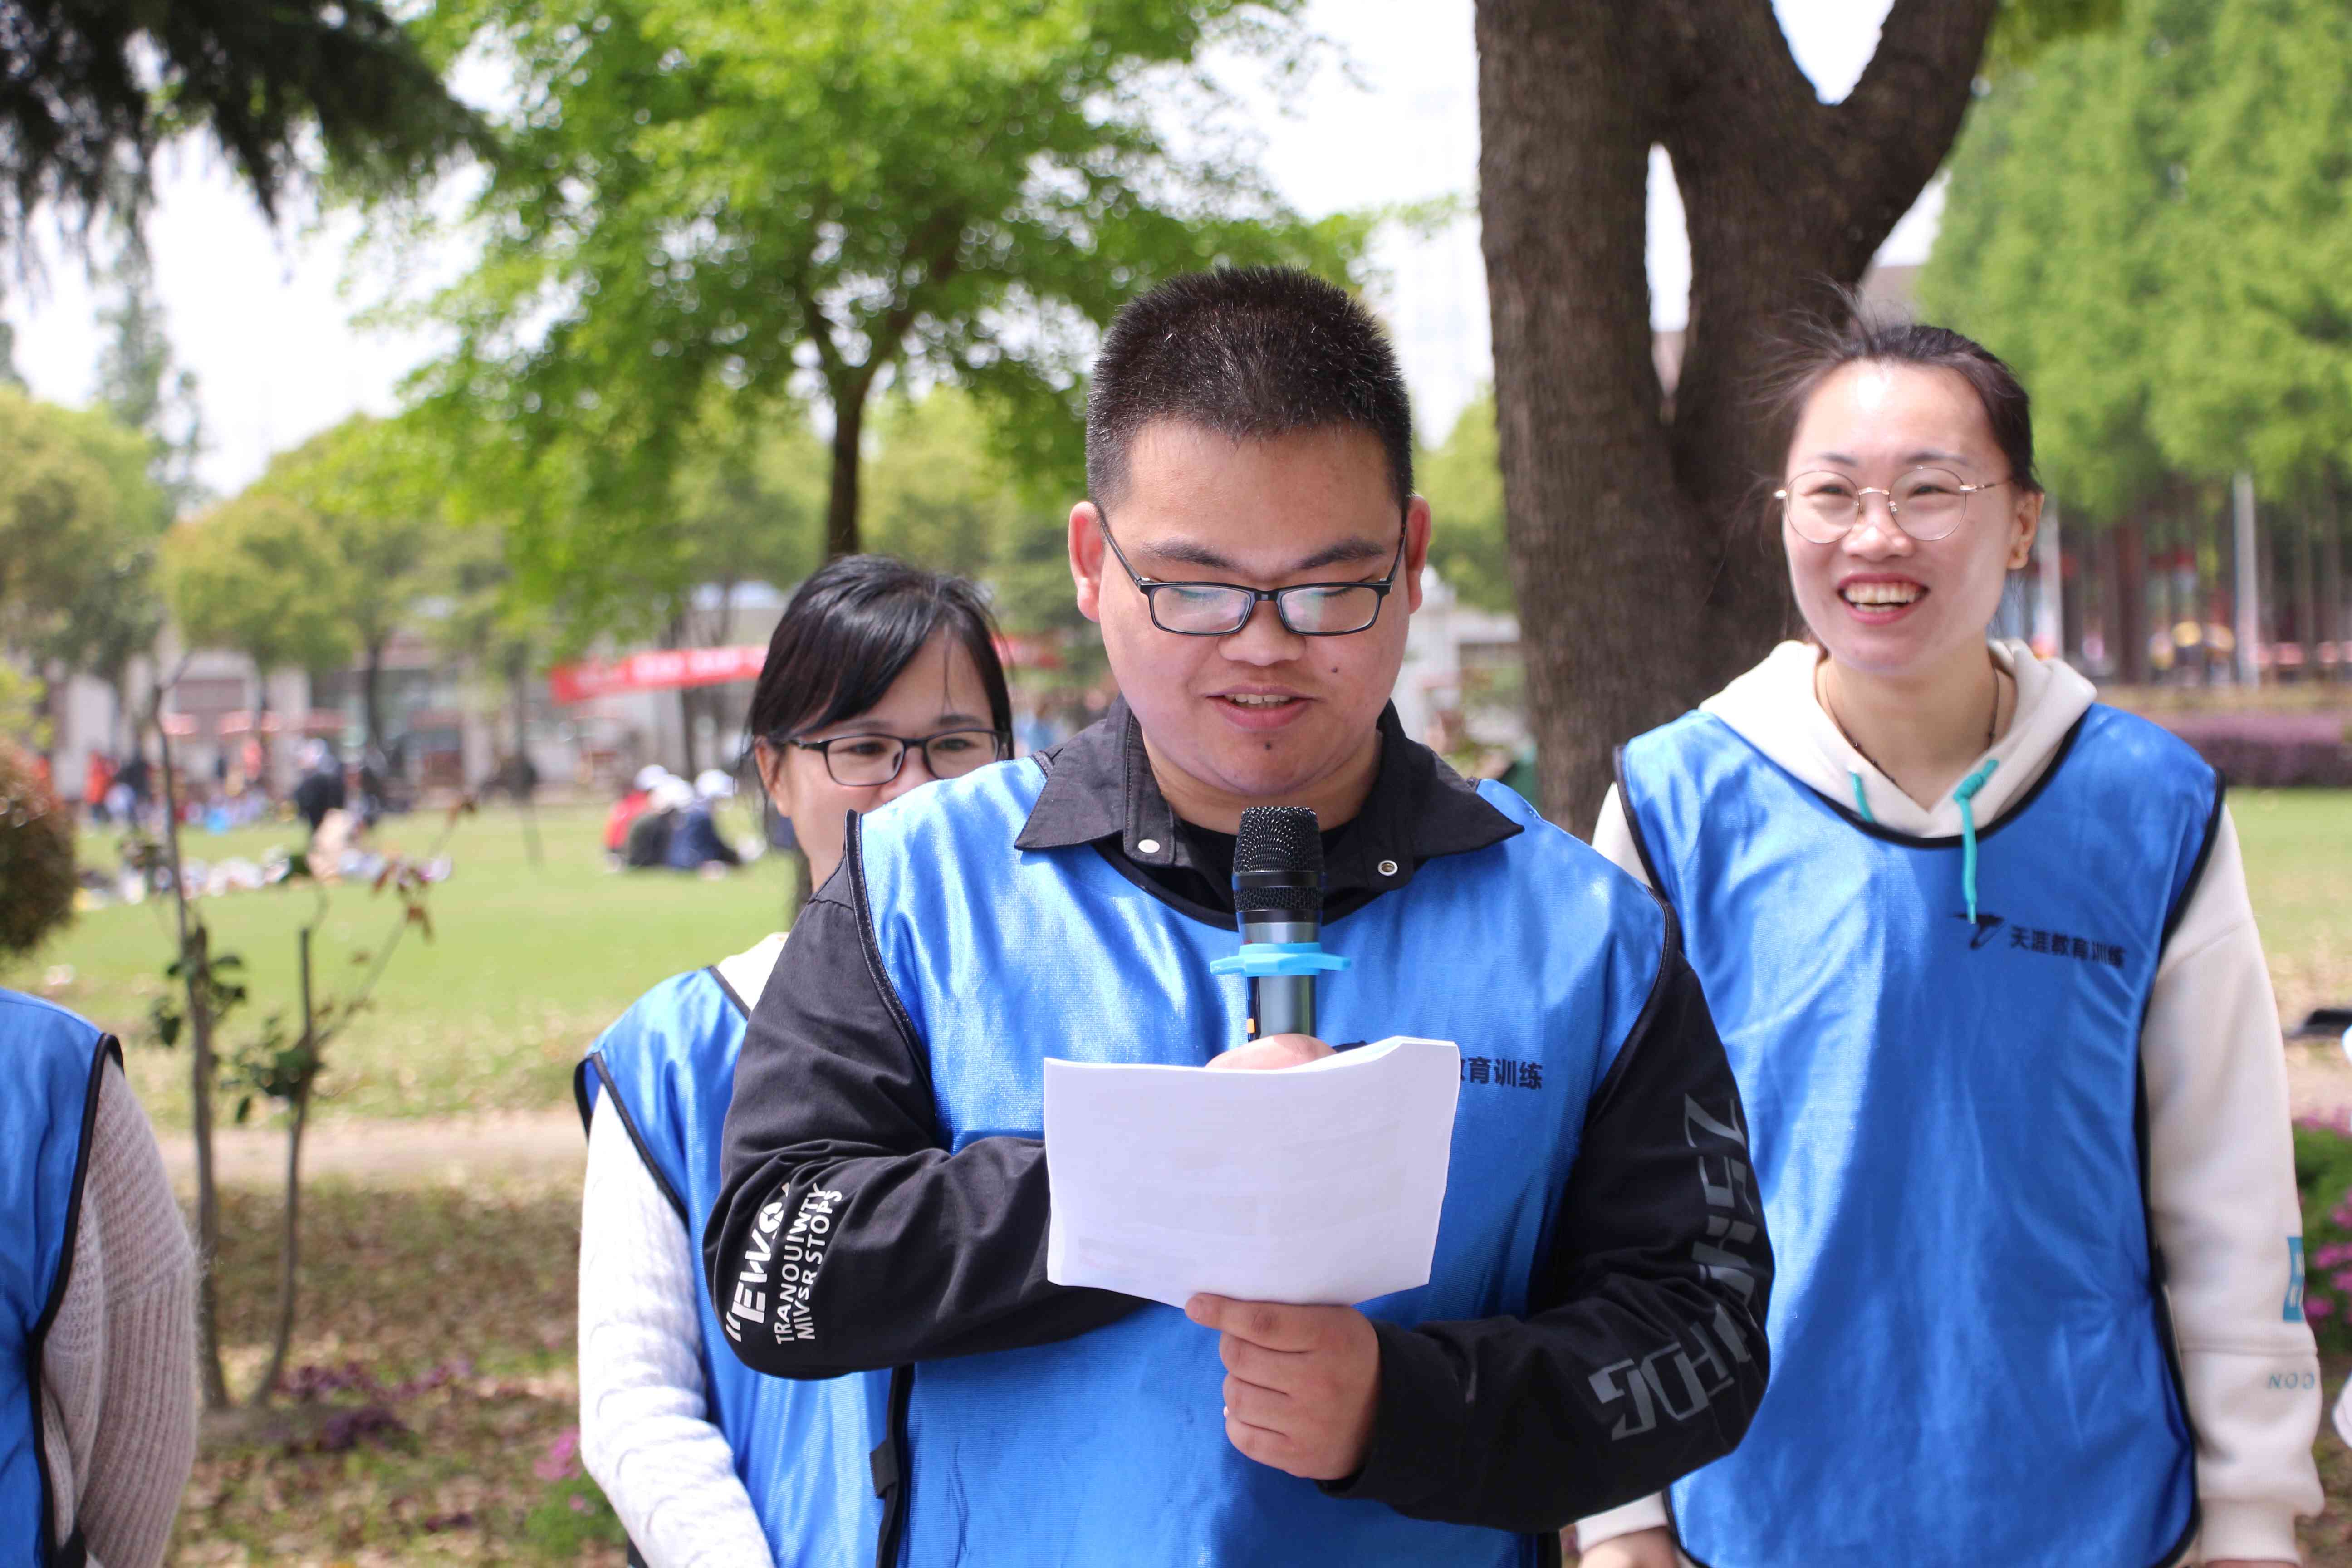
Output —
<point x="1416" y="551"/>
<point x="1087" y="558"/>
<point x="775" y="776"/>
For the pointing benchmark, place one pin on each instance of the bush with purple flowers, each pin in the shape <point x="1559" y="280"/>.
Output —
<point x="2322" y="1175"/>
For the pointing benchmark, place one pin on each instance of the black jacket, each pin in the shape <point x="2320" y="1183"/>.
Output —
<point x="1517" y="1424"/>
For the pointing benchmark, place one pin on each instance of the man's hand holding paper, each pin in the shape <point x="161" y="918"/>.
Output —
<point x="1316" y="1185"/>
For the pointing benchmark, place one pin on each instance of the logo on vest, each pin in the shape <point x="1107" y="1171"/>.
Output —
<point x="1987" y="923"/>
<point x="2055" y="943"/>
<point x="1499" y="1070"/>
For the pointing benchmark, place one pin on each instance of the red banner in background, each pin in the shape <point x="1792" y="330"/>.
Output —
<point x="665" y="668"/>
<point x="656" y="670"/>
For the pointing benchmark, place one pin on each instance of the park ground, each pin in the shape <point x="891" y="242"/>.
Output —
<point x="435" y="1382"/>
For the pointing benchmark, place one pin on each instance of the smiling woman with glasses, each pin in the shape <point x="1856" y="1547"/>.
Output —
<point x="1980" y="951"/>
<point x="880" y="679"/>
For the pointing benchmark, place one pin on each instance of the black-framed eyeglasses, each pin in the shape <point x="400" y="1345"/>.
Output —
<point x="1927" y="504"/>
<point x="1220" y="609"/>
<point x="858" y="761"/>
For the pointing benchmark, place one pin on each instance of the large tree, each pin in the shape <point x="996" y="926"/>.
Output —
<point x="256" y="576"/>
<point x="1644" y="572"/>
<point x="372" y="488"/>
<point x="78" y="525"/>
<point x="2149" y="224"/>
<point x="88" y="88"/>
<point x="778" y="197"/>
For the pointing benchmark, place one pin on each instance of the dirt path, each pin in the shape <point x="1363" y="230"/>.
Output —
<point x="533" y="1145"/>
<point x="546" y="1145"/>
<point x="2319" y="1081"/>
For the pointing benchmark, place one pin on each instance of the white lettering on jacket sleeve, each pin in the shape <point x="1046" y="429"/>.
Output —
<point x="798" y="1258"/>
<point x="750" y="1302"/>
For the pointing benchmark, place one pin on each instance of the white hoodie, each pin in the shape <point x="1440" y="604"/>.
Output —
<point x="2222" y="1162"/>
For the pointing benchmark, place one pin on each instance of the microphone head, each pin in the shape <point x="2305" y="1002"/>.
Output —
<point x="1278" y="861"/>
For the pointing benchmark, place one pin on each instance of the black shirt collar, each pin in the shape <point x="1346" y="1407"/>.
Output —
<point x="1099" y="790"/>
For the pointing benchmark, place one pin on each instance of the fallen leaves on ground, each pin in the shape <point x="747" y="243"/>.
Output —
<point x="431" y="1400"/>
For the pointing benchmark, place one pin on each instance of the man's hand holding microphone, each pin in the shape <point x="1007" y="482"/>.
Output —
<point x="1301" y="1382"/>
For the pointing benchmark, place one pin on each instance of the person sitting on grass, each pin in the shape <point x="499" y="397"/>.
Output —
<point x="629" y="808"/>
<point x="648" y="845"/>
<point x="880" y="677"/>
<point x="696" y="844"/>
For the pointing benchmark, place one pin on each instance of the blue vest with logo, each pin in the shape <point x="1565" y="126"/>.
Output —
<point x="802" y="1449"/>
<point x="1971" y="1360"/>
<point x="1534" y="954"/>
<point x="49" y="1062"/>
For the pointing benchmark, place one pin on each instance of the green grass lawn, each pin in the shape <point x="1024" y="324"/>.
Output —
<point x="527" y="963"/>
<point x="525" y="966"/>
<point x="2298" y="849"/>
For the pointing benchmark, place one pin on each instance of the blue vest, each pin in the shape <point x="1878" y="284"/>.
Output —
<point x="49" y="1063"/>
<point x="1534" y="954"/>
<point x="1971" y="1360"/>
<point x="802" y="1449"/>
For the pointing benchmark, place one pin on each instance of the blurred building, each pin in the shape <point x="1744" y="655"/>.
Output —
<point x="448" y="726"/>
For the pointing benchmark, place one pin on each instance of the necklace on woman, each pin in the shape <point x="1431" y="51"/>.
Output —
<point x="1821" y="690"/>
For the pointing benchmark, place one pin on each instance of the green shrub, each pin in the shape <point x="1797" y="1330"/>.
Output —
<point x="2323" y="1175"/>
<point x="36" y="857"/>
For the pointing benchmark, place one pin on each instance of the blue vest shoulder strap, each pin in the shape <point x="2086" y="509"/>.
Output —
<point x="2128" y="768"/>
<point x="51" y="1065"/>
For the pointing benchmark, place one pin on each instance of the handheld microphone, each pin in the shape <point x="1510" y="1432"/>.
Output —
<point x="1278" y="904"/>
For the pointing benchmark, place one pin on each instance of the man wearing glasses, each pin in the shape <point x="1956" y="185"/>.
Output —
<point x="1252" y="550"/>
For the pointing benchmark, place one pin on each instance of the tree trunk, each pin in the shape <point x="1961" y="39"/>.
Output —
<point x="195" y="965"/>
<point x="841" y="534"/>
<point x="526" y="777"/>
<point x="290" y="1240"/>
<point x="2303" y="595"/>
<point x="2167" y="569"/>
<point x="678" y="633"/>
<point x="2266" y="592"/>
<point x="45" y="725"/>
<point x="371" y="693"/>
<point x="2331" y="573"/>
<point x="687" y="737"/>
<point x="2129" y="619"/>
<point x="1645" y="570"/>
<point x="266" y="778"/>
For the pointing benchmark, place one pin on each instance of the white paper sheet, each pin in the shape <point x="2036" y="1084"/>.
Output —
<point x="1319" y="1183"/>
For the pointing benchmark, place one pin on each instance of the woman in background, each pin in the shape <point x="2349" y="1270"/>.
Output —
<point x="880" y="677"/>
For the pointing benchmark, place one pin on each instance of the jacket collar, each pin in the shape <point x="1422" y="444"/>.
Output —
<point x="1099" y="786"/>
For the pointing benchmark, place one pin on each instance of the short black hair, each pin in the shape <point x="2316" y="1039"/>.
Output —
<point x="852" y="629"/>
<point x="1855" y="332"/>
<point x="1250" y="353"/>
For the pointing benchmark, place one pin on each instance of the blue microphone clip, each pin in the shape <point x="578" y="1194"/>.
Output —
<point x="1262" y="960"/>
